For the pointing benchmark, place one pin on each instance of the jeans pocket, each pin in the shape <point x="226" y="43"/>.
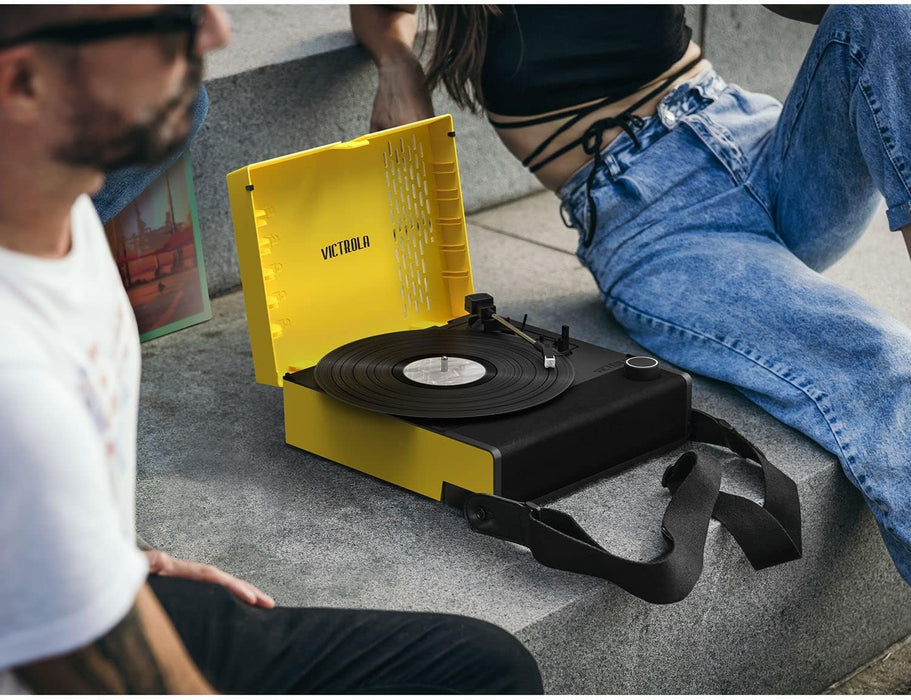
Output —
<point x="667" y="171"/>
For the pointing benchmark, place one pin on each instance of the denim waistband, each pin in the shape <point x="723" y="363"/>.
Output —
<point x="684" y="99"/>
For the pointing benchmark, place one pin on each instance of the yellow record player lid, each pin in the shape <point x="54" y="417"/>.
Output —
<point x="349" y="240"/>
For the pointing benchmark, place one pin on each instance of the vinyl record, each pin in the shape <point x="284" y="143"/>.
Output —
<point x="439" y="373"/>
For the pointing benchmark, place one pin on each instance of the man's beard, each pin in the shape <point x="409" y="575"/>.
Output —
<point x="103" y="142"/>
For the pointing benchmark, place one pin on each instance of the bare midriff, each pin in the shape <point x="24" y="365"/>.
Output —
<point x="523" y="140"/>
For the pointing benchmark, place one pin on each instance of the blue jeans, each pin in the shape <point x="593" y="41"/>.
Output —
<point x="711" y="237"/>
<point x="123" y="186"/>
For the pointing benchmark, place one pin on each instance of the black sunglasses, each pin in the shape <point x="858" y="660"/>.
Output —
<point x="181" y="18"/>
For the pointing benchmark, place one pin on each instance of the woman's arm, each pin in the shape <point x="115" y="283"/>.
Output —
<point x="387" y="32"/>
<point x="811" y="14"/>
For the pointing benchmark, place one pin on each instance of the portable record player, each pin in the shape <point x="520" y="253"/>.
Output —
<point x="360" y="304"/>
<point x="364" y="240"/>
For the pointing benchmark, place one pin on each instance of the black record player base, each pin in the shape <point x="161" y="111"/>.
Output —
<point x="603" y="422"/>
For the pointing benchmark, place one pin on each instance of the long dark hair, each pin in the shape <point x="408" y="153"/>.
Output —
<point x="458" y="52"/>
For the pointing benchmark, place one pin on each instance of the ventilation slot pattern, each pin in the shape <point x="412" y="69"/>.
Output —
<point x="409" y="211"/>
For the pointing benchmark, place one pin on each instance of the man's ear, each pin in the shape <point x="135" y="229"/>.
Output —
<point x="20" y="84"/>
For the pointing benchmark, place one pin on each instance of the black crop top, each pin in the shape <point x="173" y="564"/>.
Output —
<point x="541" y="58"/>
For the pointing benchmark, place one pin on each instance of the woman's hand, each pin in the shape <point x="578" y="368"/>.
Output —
<point x="401" y="97"/>
<point x="165" y="565"/>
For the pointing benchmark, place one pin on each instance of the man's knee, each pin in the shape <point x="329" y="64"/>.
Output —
<point x="502" y="664"/>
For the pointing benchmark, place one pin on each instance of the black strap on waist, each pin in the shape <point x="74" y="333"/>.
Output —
<point x="769" y="534"/>
<point x="591" y="140"/>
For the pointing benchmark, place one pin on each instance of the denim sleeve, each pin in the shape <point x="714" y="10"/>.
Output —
<point x="122" y="186"/>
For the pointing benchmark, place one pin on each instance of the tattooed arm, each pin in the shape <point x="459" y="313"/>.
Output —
<point x="141" y="654"/>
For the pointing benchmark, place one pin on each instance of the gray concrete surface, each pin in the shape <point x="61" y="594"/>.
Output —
<point x="217" y="483"/>
<point x="755" y="48"/>
<point x="267" y="35"/>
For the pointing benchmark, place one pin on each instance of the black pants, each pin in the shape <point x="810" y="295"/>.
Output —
<point x="242" y="649"/>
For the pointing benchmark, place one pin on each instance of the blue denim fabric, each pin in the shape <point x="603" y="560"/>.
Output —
<point x="711" y="236"/>
<point x="123" y="186"/>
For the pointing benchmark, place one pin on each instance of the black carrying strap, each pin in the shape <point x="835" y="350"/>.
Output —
<point x="768" y="534"/>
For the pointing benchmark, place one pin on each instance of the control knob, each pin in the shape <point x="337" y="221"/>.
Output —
<point x="641" y="368"/>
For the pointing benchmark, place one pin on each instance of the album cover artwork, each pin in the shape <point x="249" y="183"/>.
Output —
<point x="156" y="244"/>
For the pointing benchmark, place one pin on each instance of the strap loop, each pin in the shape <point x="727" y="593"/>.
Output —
<point x="592" y="145"/>
<point x="678" y="471"/>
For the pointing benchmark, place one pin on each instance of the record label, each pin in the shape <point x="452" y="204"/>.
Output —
<point x="444" y="371"/>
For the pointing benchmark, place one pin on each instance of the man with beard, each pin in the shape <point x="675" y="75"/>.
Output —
<point x="83" y="90"/>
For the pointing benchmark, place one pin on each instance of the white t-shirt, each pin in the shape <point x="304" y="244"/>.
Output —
<point x="69" y="386"/>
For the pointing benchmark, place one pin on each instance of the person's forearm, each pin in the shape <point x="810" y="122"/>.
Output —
<point x="141" y="654"/>
<point x="386" y="31"/>
<point x="906" y="232"/>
